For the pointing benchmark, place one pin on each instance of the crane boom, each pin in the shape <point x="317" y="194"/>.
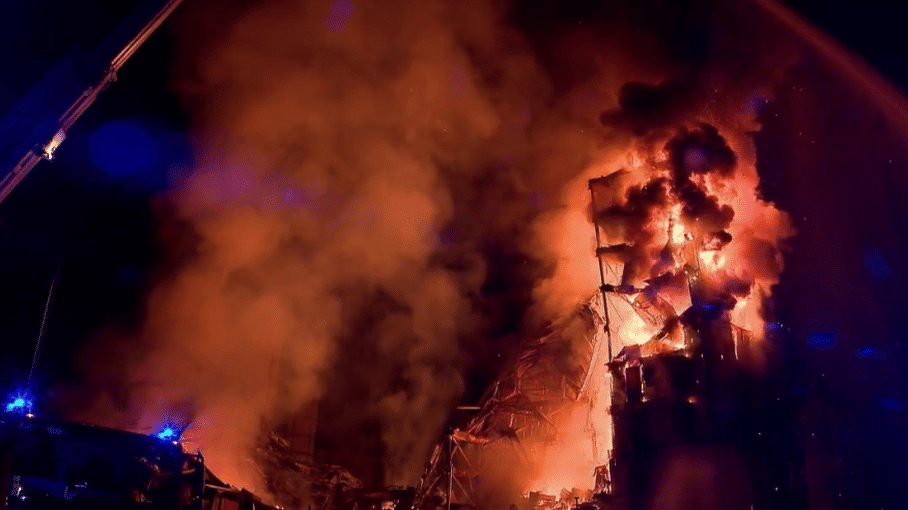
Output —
<point x="37" y="140"/>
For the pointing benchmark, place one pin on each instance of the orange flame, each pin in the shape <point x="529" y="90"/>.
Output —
<point x="752" y="258"/>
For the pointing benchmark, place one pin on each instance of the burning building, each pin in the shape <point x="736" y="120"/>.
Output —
<point x="644" y="390"/>
<point x="348" y="188"/>
<point x="354" y="191"/>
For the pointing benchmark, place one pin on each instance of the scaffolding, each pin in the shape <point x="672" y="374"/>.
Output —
<point x="664" y="388"/>
<point x="523" y="405"/>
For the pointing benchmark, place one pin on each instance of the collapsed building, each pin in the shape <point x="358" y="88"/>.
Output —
<point x="522" y="407"/>
<point x="653" y="364"/>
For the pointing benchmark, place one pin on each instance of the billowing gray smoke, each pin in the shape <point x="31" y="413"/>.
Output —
<point x="359" y="216"/>
<point x="383" y="202"/>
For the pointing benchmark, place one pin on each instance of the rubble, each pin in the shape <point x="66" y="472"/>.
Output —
<point x="299" y="483"/>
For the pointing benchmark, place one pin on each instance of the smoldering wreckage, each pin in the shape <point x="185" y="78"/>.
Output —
<point x="663" y="398"/>
<point x="632" y="399"/>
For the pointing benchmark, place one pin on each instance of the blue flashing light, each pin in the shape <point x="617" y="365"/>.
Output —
<point x="170" y="432"/>
<point x="19" y="405"/>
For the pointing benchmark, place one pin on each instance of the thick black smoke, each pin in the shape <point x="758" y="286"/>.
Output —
<point x="643" y="108"/>
<point x="694" y="155"/>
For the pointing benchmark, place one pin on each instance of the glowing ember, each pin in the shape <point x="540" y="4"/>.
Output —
<point x="673" y="234"/>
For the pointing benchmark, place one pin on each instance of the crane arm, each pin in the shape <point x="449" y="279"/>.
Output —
<point x="48" y="138"/>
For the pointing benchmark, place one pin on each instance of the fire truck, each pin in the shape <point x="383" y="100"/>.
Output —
<point x="55" y="464"/>
<point x="47" y="463"/>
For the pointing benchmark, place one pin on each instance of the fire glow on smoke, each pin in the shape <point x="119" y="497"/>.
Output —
<point x="694" y="190"/>
<point x="357" y="160"/>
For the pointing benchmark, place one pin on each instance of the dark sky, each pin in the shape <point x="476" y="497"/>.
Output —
<point x="844" y="351"/>
<point x="839" y="168"/>
<point x="97" y="222"/>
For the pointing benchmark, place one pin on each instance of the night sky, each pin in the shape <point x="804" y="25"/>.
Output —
<point x="89" y="211"/>
<point x="841" y="368"/>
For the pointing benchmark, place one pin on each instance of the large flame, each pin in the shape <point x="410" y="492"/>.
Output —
<point x="674" y="202"/>
<point x="363" y="171"/>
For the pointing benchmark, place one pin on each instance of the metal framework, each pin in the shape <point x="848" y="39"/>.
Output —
<point x="524" y="403"/>
<point x="556" y="370"/>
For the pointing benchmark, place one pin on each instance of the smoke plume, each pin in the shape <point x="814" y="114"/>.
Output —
<point x="388" y="194"/>
<point x="358" y="222"/>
